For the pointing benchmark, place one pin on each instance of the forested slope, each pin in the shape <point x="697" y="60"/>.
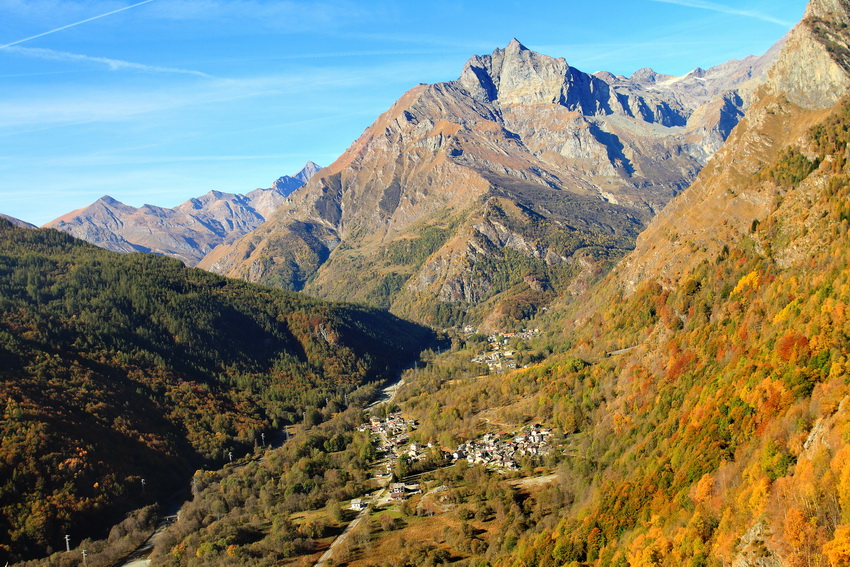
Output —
<point x="117" y="368"/>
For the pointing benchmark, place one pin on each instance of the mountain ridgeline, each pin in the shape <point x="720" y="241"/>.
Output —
<point x="492" y="193"/>
<point x="186" y="232"/>
<point x="122" y="373"/>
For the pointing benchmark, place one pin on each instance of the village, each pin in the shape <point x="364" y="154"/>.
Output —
<point x="499" y="451"/>
<point x="499" y="358"/>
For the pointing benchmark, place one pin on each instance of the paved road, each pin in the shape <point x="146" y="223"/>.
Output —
<point x="388" y="393"/>
<point x="141" y="557"/>
<point x="344" y="535"/>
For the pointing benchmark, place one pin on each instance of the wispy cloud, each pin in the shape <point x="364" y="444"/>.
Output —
<point x="65" y="27"/>
<point x="715" y="7"/>
<point x="32" y="111"/>
<point x="112" y="64"/>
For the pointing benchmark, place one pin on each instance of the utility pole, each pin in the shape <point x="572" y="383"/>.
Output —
<point x="143" y="487"/>
<point x="194" y="485"/>
<point x="67" y="542"/>
<point x="263" y="438"/>
<point x="230" y="455"/>
<point x="85" y="563"/>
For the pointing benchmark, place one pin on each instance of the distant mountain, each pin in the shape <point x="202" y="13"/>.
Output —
<point x="17" y="222"/>
<point x="488" y="191"/>
<point x="287" y="184"/>
<point x="121" y="374"/>
<point x="186" y="232"/>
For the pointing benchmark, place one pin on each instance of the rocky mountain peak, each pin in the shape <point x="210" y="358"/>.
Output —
<point x="645" y="75"/>
<point x="308" y="171"/>
<point x="287" y="184"/>
<point x="813" y="69"/>
<point x="514" y="75"/>
<point x="827" y="9"/>
<point x="107" y="200"/>
<point x="515" y="46"/>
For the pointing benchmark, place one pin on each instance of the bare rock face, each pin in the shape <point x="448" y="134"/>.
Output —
<point x="812" y="71"/>
<point x="187" y="232"/>
<point x="462" y="189"/>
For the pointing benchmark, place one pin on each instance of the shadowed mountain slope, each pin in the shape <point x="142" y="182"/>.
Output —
<point x="120" y="367"/>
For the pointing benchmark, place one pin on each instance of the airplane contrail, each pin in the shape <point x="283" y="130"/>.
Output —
<point x="75" y="24"/>
<point x="714" y="7"/>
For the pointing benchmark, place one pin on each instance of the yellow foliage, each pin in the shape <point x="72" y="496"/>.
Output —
<point x="838" y="550"/>
<point x="843" y="487"/>
<point x="649" y="549"/>
<point x="758" y="495"/>
<point x="783" y="314"/>
<point x="704" y="489"/>
<point x="751" y="280"/>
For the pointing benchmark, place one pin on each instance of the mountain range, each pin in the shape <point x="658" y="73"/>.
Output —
<point x="186" y="232"/>
<point x="484" y="193"/>
<point x="688" y="237"/>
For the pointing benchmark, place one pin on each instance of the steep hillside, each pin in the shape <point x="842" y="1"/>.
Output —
<point x="523" y="176"/>
<point x="717" y="434"/>
<point x="186" y="232"/>
<point x="116" y="368"/>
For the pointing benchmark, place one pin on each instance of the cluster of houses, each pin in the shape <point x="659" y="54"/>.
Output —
<point x="498" y="359"/>
<point x="497" y="450"/>
<point x="391" y="427"/>
<point x="393" y="433"/>
<point x="503" y="450"/>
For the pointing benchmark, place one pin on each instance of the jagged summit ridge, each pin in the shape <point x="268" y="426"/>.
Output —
<point x="188" y="231"/>
<point x="519" y="141"/>
<point x="827" y="9"/>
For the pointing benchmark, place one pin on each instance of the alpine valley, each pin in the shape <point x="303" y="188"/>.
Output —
<point x="619" y="309"/>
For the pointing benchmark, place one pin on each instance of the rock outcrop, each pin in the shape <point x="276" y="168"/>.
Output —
<point x="811" y="75"/>
<point x="187" y="232"/>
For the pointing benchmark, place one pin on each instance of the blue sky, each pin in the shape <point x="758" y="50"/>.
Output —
<point x="163" y="100"/>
